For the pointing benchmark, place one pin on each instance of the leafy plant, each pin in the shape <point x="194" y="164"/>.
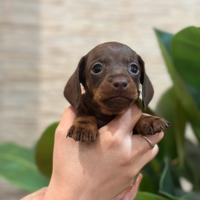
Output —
<point x="178" y="157"/>
<point x="17" y="165"/>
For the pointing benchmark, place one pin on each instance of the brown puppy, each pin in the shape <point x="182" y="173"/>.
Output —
<point x="111" y="75"/>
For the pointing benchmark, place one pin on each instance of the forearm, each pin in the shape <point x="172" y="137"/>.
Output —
<point x="69" y="190"/>
<point x="51" y="193"/>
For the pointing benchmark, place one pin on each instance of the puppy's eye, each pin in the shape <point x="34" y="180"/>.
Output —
<point x="133" y="69"/>
<point x="97" y="68"/>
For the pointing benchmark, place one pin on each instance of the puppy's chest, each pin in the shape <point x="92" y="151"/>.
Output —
<point x="103" y="120"/>
<point x="89" y="108"/>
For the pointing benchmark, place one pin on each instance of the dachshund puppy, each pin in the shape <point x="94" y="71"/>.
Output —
<point x="111" y="75"/>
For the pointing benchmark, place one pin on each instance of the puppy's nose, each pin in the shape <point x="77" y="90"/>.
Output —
<point x="120" y="82"/>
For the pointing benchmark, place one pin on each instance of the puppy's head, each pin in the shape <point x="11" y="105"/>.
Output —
<point x="111" y="74"/>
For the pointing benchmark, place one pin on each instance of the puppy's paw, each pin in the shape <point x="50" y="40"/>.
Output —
<point x="83" y="131"/>
<point x="149" y="125"/>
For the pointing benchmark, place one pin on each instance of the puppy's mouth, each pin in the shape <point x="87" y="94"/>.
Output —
<point x="117" y="102"/>
<point x="118" y="99"/>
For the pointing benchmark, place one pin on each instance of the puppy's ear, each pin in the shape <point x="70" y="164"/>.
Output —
<point x="147" y="88"/>
<point x="72" y="91"/>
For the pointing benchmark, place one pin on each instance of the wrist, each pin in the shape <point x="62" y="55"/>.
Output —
<point x="39" y="195"/>
<point x="70" y="191"/>
<point x="58" y="192"/>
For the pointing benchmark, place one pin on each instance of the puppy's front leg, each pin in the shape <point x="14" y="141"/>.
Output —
<point x="84" y="129"/>
<point x="149" y="125"/>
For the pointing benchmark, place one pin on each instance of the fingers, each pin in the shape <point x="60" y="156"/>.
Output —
<point x="142" y="145"/>
<point x="142" y="160"/>
<point x="130" y="195"/>
<point x="125" y="122"/>
<point x="66" y="120"/>
<point x="60" y="142"/>
<point x="143" y="153"/>
<point x="121" y="195"/>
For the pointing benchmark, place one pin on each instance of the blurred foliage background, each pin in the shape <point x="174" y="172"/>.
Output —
<point x="41" y="43"/>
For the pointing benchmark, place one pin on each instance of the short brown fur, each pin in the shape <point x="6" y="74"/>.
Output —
<point x="111" y="75"/>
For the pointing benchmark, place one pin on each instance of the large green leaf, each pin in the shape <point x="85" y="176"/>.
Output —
<point x="44" y="150"/>
<point x="186" y="54"/>
<point x="17" y="166"/>
<point x="149" y="196"/>
<point x="171" y="109"/>
<point x="186" y="92"/>
<point x="169" y="182"/>
<point x="151" y="183"/>
<point x="170" y="187"/>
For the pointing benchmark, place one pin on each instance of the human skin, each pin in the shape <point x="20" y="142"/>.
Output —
<point x="103" y="170"/>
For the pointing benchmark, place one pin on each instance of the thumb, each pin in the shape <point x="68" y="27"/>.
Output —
<point x="124" y="122"/>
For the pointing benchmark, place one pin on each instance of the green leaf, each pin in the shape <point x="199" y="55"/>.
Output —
<point x="169" y="183"/>
<point x="151" y="183"/>
<point x="148" y="184"/>
<point x="44" y="150"/>
<point x="17" y="166"/>
<point x="191" y="196"/>
<point x="192" y="172"/>
<point x="173" y="144"/>
<point x="164" y="40"/>
<point x="186" y="93"/>
<point x="186" y="54"/>
<point x="151" y="176"/>
<point x="149" y="196"/>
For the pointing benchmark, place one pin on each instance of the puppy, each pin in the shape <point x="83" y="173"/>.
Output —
<point x="111" y="74"/>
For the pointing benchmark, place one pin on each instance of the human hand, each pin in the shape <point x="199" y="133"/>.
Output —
<point x="103" y="169"/>
<point x="128" y="194"/>
<point x="131" y="192"/>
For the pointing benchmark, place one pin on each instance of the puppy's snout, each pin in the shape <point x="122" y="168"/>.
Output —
<point x="119" y="83"/>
